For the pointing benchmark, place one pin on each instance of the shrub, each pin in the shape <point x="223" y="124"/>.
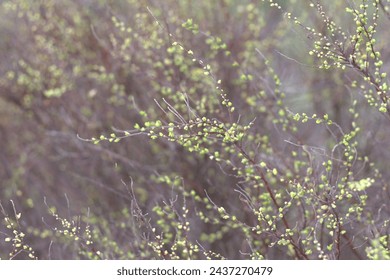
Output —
<point x="227" y="129"/>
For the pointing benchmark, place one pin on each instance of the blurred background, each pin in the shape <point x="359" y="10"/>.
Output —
<point x="73" y="70"/>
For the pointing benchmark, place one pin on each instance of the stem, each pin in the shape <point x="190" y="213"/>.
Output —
<point x="297" y="249"/>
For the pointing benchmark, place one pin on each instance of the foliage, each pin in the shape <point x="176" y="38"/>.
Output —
<point x="194" y="129"/>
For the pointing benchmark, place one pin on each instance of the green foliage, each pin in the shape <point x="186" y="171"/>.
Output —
<point x="248" y="130"/>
